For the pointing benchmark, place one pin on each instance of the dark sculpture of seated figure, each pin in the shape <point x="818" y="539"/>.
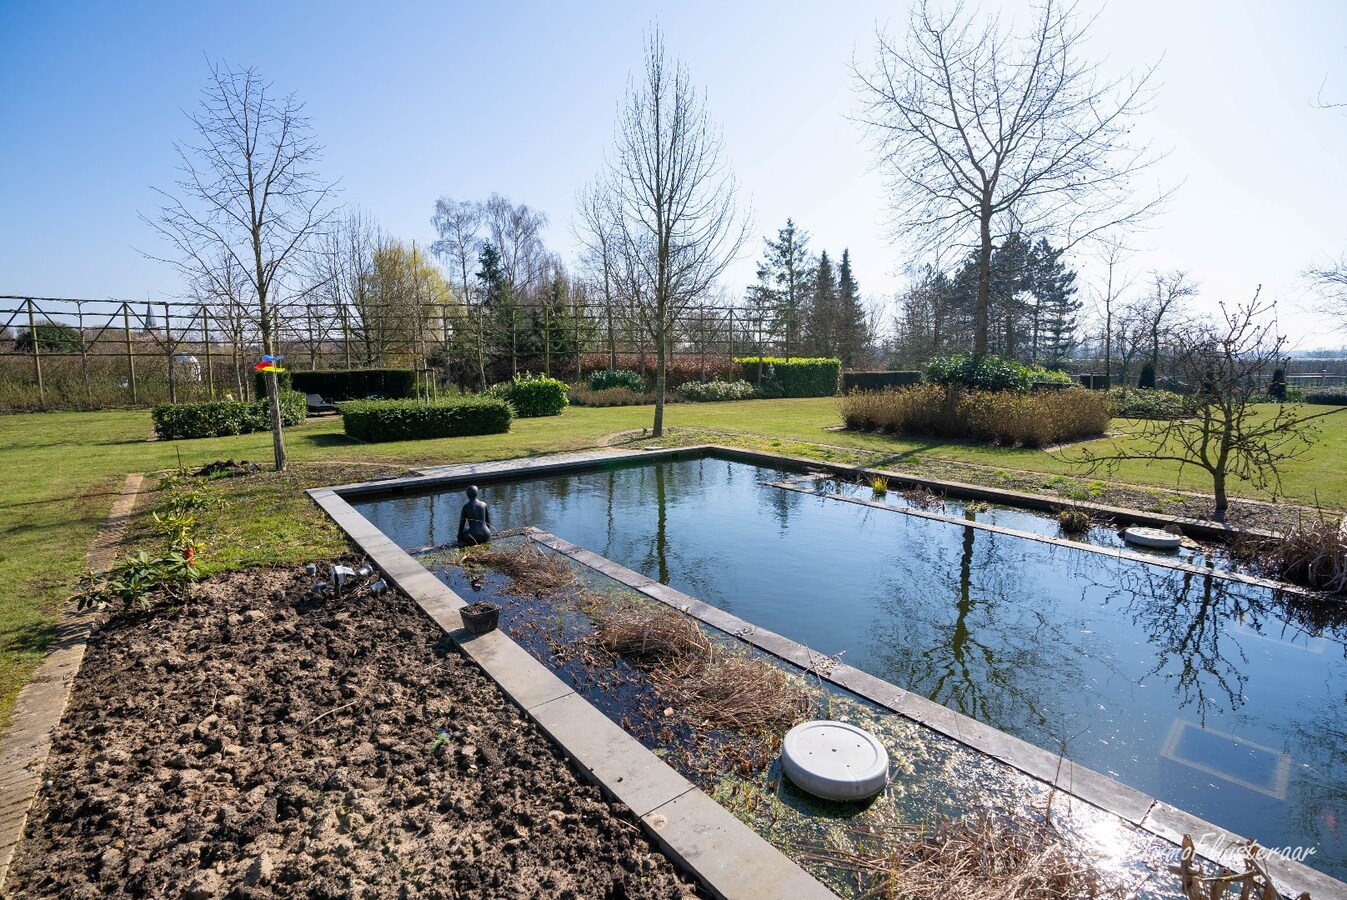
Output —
<point x="474" y="523"/>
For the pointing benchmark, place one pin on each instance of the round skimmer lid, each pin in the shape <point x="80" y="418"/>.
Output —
<point x="835" y="760"/>
<point x="1151" y="537"/>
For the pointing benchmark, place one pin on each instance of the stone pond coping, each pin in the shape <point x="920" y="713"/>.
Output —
<point x="1152" y="815"/>
<point x="694" y="831"/>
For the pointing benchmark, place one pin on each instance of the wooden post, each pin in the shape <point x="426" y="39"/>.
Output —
<point x="514" y="342"/>
<point x="84" y="353"/>
<point x="130" y="353"/>
<point x="731" y="335"/>
<point x="577" y="345"/>
<point x="205" y="340"/>
<point x="612" y="341"/>
<point x="547" y="340"/>
<point x="168" y="351"/>
<point x="346" y="336"/>
<point x="701" y="335"/>
<point x="37" y="356"/>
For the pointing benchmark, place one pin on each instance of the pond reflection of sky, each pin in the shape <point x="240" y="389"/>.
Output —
<point x="1068" y="649"/>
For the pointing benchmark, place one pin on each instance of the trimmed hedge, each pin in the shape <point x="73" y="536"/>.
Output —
<point x="1149" y="403"/>
<point x="535" y="395"/>
<point x="1336" y="396"/>
<point x="878" y="381"/>
<point x="714" y="391"/>
<point x="604" y="379"/>
<point x="344" y="384"/>
<point x="614" y="396"/>
<point x="410" y="420"/>
<point x="798" y="377"/>
<point x="181" y="421"/>
<point x="1007" y="418"/>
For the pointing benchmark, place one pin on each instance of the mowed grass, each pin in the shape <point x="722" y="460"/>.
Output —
<point x="61" y="472"/>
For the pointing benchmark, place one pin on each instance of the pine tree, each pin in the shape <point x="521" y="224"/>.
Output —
<point x="822" y="329"/>
<point x="853" y="330"/>
<point x="790" y="271"/>
<point x="1054" y="286"/>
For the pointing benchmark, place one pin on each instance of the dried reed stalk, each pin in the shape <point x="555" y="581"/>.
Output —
<point x="978" y="858"/>
<point x="529" y="569"/>
<point x="737" y="692"/>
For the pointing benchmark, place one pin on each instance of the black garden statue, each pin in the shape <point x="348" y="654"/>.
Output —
<point x="474" y="523"/>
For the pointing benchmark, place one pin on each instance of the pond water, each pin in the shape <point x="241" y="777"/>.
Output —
<point x="1224" y="699"/>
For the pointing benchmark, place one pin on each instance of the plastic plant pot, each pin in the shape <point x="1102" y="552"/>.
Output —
<point x="480" y="617"/>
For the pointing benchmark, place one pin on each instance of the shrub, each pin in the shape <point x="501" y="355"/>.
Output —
<point x="405" y="420"/>
<point x="1277" y="388"/>
<point x="179" y="421"/>
<point x="135" y="580"/>
<point x="604" y="379"/>
<point x="878" y="381"/>
<point x="712" y="391"/>
<point x="535" y="395"/>
<point x="983" y="373"/>
<point x="816" y="377"/>
<point x="678" y="368"/>
<point x="1073" y="521"/>
<point x="1147" y="377"/>
<point x="615" y="396"/>
<point x="1148" y="403"/>
<point x="344" y="384"/>
<point x="1327" y="396"/>
<point x="1002" y="417"/>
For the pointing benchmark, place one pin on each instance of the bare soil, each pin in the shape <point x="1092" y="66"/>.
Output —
<point x="259" y="742"/>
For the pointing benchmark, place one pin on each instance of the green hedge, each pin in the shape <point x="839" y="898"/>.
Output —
<point x="878" y="381"/>
<point x="179" y="421"/>
<point x="344" y="384"/>
<point x="535" y="395"/>
<point x="798" y="377"/>
<point x="1335" y="396"/>
<point x="409" y="420"/>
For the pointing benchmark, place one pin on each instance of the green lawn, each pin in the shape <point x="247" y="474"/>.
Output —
<point x="62" y="470"/>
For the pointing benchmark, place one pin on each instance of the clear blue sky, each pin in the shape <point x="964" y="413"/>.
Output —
<point x="416" y="100"/>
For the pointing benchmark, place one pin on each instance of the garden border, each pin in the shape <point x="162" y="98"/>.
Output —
<point x="501" y="655"/>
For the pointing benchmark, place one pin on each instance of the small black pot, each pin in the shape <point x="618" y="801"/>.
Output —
<point x="480" y="617"/>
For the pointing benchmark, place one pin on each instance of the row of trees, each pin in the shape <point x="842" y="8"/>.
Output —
<point x="816" y="308"/>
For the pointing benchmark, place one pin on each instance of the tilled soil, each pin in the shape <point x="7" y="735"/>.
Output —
<point x="260" y="743"/>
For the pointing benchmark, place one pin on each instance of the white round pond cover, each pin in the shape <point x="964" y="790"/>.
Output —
<point x="835" y="760"/>
<point x="1151" y="537"/>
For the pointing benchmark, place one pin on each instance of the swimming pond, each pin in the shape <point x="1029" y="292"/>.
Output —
<point x="1221" y="698"/>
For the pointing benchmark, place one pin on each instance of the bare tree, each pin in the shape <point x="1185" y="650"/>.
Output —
<point x="596" y="232"/>
<point x="672" y="200"/>
<point x="341" y="265"/>
<point x="1168" y="290"/>
<point x="1229" y="431"/>
<point x="516" y="233"/>
<point x="1114" y="286"/>
<point x="248" y="194"/>
<point x="458" y="224"/>
<point x="986" y="134"/>
<point x="1330" y="282"/>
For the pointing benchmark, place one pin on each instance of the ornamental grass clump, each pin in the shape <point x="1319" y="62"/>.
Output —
<point x="1313" y="555"/>
<point x="999" y="417"/>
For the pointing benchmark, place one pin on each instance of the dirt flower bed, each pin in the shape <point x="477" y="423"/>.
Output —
<point x="261" y="743"/>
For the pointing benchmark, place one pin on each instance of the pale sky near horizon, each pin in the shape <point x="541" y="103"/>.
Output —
<point x="463" y="100"/>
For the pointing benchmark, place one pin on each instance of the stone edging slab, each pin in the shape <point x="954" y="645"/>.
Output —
<point x="700" y="835"/>
<point x="27" y="742"/>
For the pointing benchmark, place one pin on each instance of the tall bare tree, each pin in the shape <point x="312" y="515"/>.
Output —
<point x="987" y="134"/>
<point x="248" y="193"/>
<point x="341" y="266"/>
<point x="458" y="224"/>
<point x="1330" y="283"/>
<point x="1168" y="291"/>
<point x="516" y="230"/>
<point x="672" y="200"/>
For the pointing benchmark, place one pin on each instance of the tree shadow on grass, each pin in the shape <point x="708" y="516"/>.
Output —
<point x="325" y="440"/>
<point x="31" y="637"/>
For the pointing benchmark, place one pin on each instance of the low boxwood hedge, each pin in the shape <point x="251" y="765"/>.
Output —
<point x="605" y="379"/>
<point x="182" y="421"/>
<point x="409" y="420"/>
<point x="798" y="377"/>
<point x="1334" y="396"/>
<point x="715" y="391"/>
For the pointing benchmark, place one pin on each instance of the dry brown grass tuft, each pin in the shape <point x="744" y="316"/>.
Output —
<point x="653" y="638"/>
<point x="529" y="569"/>
<point x="737" y="692"/>
<point x="978" y="858"/>
<point x="1315" y="555"/>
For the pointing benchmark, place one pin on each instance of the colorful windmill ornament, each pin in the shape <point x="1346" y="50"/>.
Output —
<point x="270" y="364"/>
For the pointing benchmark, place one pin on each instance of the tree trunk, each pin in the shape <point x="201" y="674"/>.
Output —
<point x="658" y="429"/>
<point x="274" y="401"/>
<point x="980" y="313"/>
<point x="1218" y="488"/>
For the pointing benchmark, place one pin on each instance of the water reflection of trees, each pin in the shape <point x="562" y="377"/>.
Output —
<point x="1002" y="658"/>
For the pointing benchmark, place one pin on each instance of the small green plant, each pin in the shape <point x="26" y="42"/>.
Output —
<point x="1074" y="521"/>
<point x="605" y="379"/>
<point x="879" y="484"/>
<point x="136" y="580"/>
<point x="535" y="395"/>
